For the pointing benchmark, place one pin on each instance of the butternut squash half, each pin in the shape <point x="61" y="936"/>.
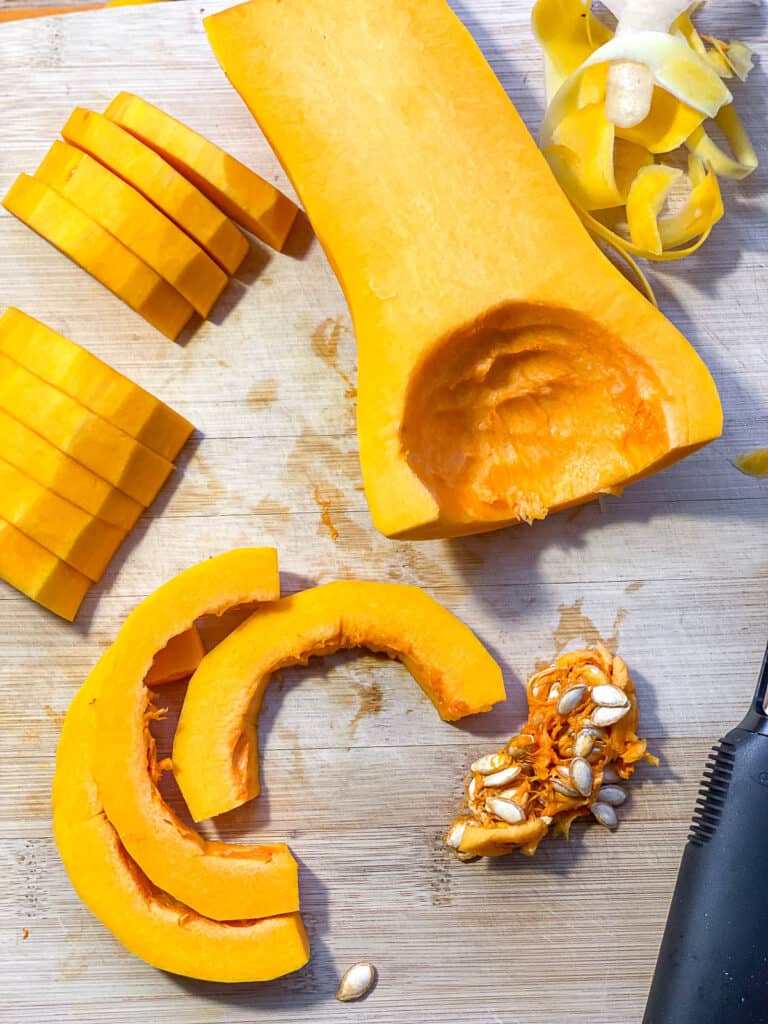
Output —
<point x="506" y="368"/>
<point x="170" y="191"/>
<point x="81" y="375"/>
<point x="81" y="434"/>
<point x="237" y="190"/>
<point x="42" y="461"/>
<point x="139" y="225"/>
<point x="215" y="752"/>
<point x="94" y="249"/>
<point x="221" y="881"/>
<point x="40" y="575"/>
<point x="148" y="922"/>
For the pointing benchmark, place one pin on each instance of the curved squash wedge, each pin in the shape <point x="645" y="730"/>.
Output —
<point x="83" y="435"/>
<point x="220" y="712"/>
<point x="222" y="881"/>
<point x="506" y="368"/>
<point x="39" y="459"/>
<point x="133" y="220"/>
<point x="148" y="922"/>
<point x="237" y="190"/>
<point x="170" y="191"/>
<point x="40" y="575"/>
<point x="84" y="377"/>
<point x="98" y="252"/>
<point x="83" y="541"/>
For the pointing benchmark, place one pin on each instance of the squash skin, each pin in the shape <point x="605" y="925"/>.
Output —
<point x="157" y="181"/>
<point x="410" y="206"/>
<point x="220" y="712"/>
<point x="84" y="377"/>
<point x="219" y="880"/>
<point x="40" y="575"/>
<point x="98" y="252"/>
<point x="237" y="190"/>
<point x="79" y="433"/>
<point x="135" y="222"/>
<point x="51" y="468"/>
<point x="152" y="925"/>
<point x="82" y="541"/>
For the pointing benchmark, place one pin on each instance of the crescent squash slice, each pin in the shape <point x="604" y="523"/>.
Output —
<point x="215" y="754"/>
<point x="219" y="880"/>
<point x="506" y="368"/>
<point x="149" y="922"/>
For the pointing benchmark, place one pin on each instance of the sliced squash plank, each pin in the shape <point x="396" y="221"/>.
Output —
<point x="101" y="254"/>
<point x="131" y="218"/>
<point x="170" y="191"/>
<point x="235" y="188"/>
<point x="51" y="468"/>
<point x="148" y="922"/>
<point x="40" y="575"/>
<point x="216" y="879"/>
<point x="82" y="541"/>
<point x="86" y="437"/>
<point x="84" y="377"/>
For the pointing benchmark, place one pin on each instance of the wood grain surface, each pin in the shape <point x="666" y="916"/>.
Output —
<point x="359" y="775"/>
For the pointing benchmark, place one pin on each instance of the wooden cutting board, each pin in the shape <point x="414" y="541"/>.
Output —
<point x="359" y="775"/>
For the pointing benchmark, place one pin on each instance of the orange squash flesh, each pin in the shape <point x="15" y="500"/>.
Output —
<point x="82" y="541"/>
<point x="235" y="188"/>
<point x="223" y="882"/>
<point x="81" y="434"/>
<point x="177" y="660"/>
<point x="506" y="368"/>
<point x="150" y="923"/>
<point x="170" y="191"/>
<point x="84" y="377"/>
<point x="86" y="243"/>
<point x="220" y="712"/>
<point x="135" y="222"/>
<point x="39" y="575"/>
<point x="39" y="459"/>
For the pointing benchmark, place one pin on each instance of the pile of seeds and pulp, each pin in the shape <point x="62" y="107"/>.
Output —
<point x="568" y="760"/>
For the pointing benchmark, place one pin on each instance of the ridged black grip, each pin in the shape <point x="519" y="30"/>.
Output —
<point x="713" y="963"/>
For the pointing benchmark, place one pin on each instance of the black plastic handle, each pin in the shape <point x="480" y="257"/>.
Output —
<point x="713" y="962"/>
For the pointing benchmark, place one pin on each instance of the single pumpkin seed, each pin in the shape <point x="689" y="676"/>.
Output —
<point x="571" y="699"/>
<point x="507" y="810"/>
<point x="593" y="675"/>
<point x="609" y="716"/>
<point x="357" y="982"/>
<point x="565" y="790"/>
<point x="554" y="691"/>
<point x="489" y="764"/>
<point x="581" y="775"/>
<point x="605" y="814"/>
<point x="503" y="777"/>
<point x="611" y="775"/>
<point x="472" y="788"/>
<point x="513" y="793"/>
<point x="609" y="696"/>
<point x="456" y="834"/>
<point x="547" y="819"/>
<point x="584" y="744"/>
<point x="466" y="858"/>
<point x="519" y="746"/>
<point x="613" y="795"/>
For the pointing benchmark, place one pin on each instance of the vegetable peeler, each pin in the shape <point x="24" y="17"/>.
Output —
<point x="713" y="963"/>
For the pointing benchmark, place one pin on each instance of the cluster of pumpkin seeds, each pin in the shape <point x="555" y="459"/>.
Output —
<point x="569" y="760"/>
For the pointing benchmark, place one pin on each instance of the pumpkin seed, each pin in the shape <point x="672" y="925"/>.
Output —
<point x="571" y="699"/>
<point x="472" y="788"/>
<point x="613" y="795"/>
<point x="565" y="790"/>
<point x="488" y="764"/>
<point x="547" y="819"/>
<point x="357" y="982"/>
<point x="584" y="744"/>
<point x="611" y="775"/>
<point x="581" y="775"/>
<point x="507" y="810"/>
<point x="456" y="834"/>
<point x="609" y="696"/>
<point x="609" y="716"/>
<point x="554" y="691"/>
<point x="513" y="793"/>
<point x="519" y="746"/>
<point x="594" y="675"/>
<point x="466" y="858"/>
<point x="605" y="814"/>
<point x="503" y="777"/>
